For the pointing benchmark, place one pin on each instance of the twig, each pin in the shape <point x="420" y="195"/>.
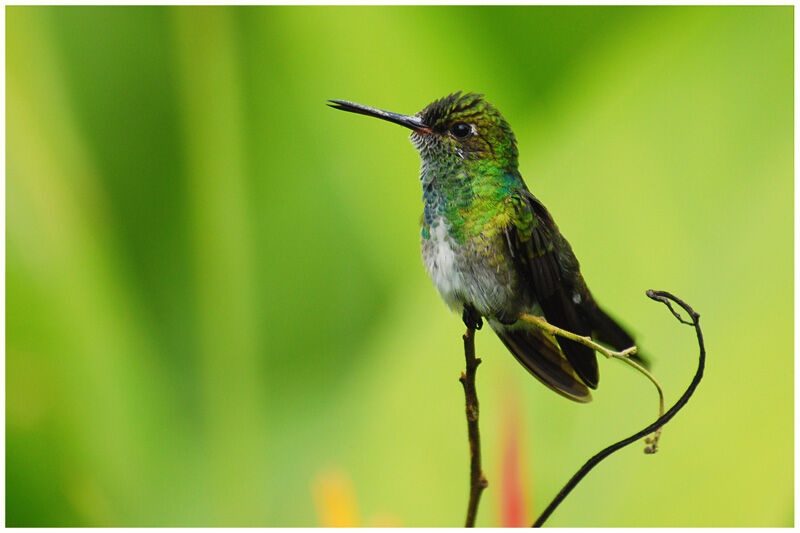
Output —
<point x="665" y="298"/>
<point x="549" y="328"/>
<point x="624" y="356"/>
<point x="477" y="479"/>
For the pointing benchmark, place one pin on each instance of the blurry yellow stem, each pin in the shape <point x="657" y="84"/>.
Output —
<point x="624" y="355"/>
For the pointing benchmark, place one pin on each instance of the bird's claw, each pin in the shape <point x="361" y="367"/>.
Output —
<point x="472" y="319"/>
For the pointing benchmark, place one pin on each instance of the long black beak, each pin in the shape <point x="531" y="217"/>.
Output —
<point x="409" y="121"/>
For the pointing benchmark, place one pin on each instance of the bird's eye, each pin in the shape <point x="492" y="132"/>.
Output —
<point x="461" y="130"/>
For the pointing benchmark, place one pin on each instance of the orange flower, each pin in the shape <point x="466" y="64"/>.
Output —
<point x="335" y="502"/>
<point x="334" y="499"/>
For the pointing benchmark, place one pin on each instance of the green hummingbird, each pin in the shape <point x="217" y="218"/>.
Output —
<point x="491" y="247"/>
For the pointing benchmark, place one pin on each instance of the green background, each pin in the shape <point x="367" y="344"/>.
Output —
<point x="214" y="289"/>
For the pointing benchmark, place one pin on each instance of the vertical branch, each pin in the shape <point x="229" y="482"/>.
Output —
<point x="477" y="481"/>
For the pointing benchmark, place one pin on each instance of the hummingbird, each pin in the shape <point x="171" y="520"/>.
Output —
<point x="491" y="247"/>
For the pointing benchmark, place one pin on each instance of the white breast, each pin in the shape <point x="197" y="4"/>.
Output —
<point x="443" y="265"/>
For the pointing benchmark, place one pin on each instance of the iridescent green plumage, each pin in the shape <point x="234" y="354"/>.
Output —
<point x="492" y="249"/>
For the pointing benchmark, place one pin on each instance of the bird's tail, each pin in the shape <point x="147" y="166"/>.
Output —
<point x="542" y="356"/>
<point x="606" y="330"/>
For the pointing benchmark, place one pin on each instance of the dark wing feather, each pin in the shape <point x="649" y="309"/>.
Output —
<point x="585" y="316"/>
<point x="547" y="263"/>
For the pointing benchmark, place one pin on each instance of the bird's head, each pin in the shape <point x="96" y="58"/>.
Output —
<point x="460" y="131"/>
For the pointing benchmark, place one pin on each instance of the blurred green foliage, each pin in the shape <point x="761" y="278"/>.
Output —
<point x="214" y="290"/>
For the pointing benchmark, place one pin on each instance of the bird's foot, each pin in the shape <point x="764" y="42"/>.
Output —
<point x="472" y="319"/>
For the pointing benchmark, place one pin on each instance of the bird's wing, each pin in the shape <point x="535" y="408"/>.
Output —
<point x="551" y="270"/>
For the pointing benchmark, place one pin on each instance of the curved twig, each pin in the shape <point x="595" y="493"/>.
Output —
<point x="665" y="298"/>
<point x="549" y="328"/>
